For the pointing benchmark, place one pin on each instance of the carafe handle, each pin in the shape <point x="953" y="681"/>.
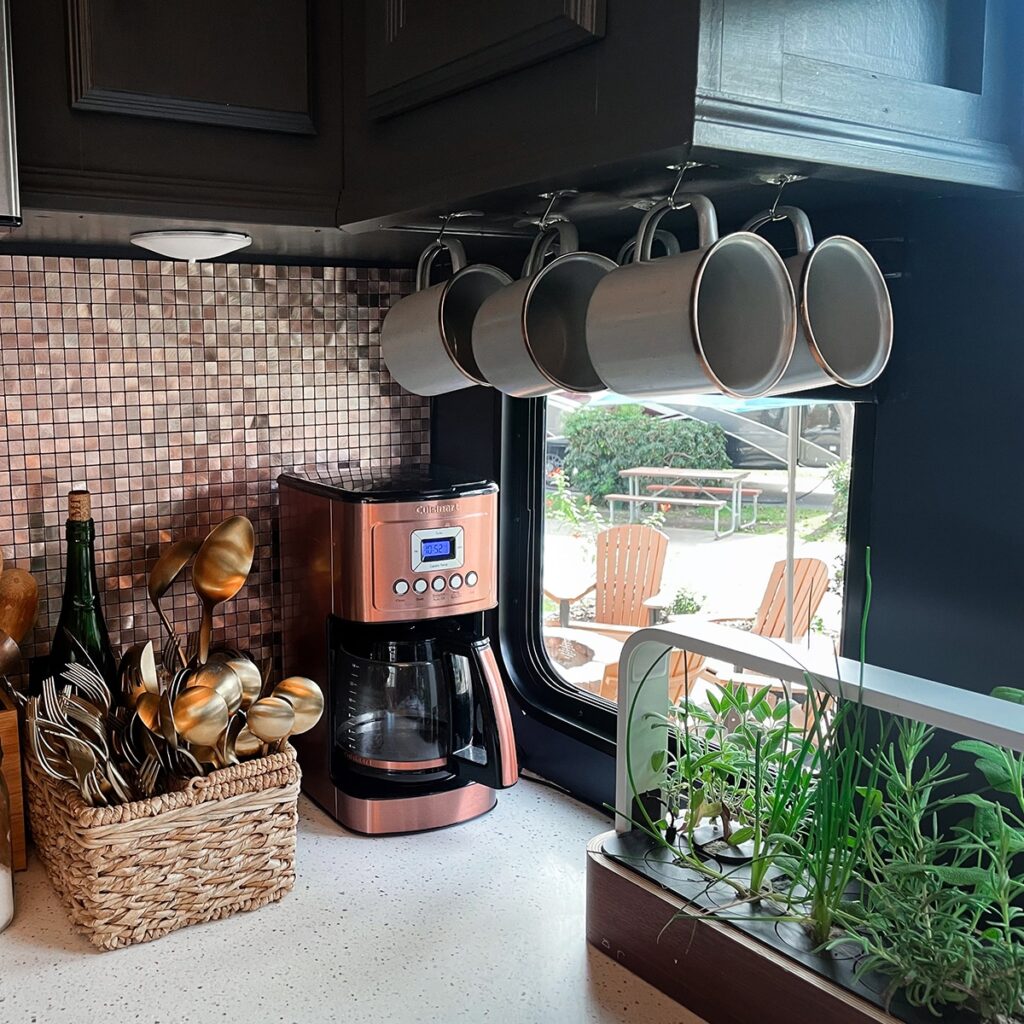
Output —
<point x="501" y="769"/>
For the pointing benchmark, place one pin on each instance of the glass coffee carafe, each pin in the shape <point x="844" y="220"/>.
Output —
<point x="396" y="713"/>
<point x="413" y="705"/>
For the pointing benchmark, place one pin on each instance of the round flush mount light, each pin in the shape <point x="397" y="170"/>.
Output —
<point x="191" y="245"/>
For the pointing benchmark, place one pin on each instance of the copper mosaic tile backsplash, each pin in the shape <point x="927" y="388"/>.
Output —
<point x="176" y="394"/>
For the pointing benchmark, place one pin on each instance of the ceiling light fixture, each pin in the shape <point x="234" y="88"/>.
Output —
<point x="191" y="245"/>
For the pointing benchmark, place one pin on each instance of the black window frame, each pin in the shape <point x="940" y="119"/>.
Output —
<point x="564" y="734"/>
<point x="520" y="595"/>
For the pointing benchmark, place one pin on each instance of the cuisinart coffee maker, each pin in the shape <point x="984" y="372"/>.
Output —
<point x="384" y="579"/>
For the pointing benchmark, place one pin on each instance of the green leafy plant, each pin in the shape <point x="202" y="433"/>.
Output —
<point x="686" y="602"/>
<point x="838" y="475"/>
<point x="577" y="512"/>
<point x="605" y="440"/>
<point x="938" y="913"/>
<point x="824" y="862"/>
<point x="880" y="849"/>
<point x="740" y="760"/>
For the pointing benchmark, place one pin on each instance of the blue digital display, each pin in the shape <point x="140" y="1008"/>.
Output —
<point x="439" y="549"/>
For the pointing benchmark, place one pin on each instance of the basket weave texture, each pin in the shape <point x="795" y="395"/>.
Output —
<point x="135" y="872"/>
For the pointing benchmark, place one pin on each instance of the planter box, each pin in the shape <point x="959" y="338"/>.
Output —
<point x="714" y="969"/>
<point x="135" y="872"/>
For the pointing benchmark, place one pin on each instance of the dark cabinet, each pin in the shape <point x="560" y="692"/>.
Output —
<point x="190" y="108"/>
<point x="417" y="52"/>
<point x="925" y="89"/>
<point x="471" y="97"/>
<point x="485" y="103"/>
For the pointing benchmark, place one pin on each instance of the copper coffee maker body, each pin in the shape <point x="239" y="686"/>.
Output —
<point x="384" y="579"/>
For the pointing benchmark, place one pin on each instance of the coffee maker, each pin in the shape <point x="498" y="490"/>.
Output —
<point x="385" y="576"/>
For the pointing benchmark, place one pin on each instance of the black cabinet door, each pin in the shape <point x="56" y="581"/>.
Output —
<point x="191" y="107"/>
<point x="448" y="99"/>
<point x="420" y="50"/>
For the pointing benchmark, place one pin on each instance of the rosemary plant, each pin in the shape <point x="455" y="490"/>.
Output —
<point x="938" y="913"/>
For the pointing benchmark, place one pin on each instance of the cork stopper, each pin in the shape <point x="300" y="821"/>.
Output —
<point x="79" y="506"/>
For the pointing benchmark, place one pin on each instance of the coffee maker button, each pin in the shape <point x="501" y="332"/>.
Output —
<point x="455" y="581"/>
<point x="400" y="587"/>
<point x="438" y="583"/>
<point x="471" y="578"/>
<point x="420" y="586"/>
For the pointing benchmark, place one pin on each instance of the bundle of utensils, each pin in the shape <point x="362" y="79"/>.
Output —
<point x="194" y="711"/>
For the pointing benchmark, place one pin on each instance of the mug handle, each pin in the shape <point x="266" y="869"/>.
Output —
<point x="800" y="221"/>
<point x="425" y="264"/>
<point x="668" y="241"/>
<point x="563" y="233"/>
<point x="707" y="223"/>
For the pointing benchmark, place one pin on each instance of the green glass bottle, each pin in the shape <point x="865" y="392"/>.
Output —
<point x="80" y="611"/>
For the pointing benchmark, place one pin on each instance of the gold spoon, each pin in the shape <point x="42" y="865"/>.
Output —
<point x="220" y="571"/>
<point x="251" y="679"/>
<point x="270" y="718"/>
<point x="147" y="706"/>
<point x="226" y="744"/>
<point x="161" y="577"/>
<point x="137" y="672"/>
<point x="219" y="676"/>
<point x="306" y="699"/>
<point x="247" y="743"/>
<point x="200" y="715"/>
<point x="19" y="599"/>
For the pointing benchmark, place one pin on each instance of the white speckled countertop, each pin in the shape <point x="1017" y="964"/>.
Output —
<point x="482" y="922"/>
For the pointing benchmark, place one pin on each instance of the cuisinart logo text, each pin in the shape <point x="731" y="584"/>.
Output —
<point x="433" y="510"/>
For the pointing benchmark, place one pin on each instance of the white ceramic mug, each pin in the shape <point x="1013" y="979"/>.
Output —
<point x="845" y="313"/>
<point x="722" y="317"/>
<point x="426" y="337"/>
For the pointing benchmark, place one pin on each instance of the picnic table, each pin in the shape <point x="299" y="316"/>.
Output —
<point x="667" y="484"/>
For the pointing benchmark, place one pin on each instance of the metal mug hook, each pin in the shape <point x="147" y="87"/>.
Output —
<point x="449" y="217"/>
<point x="552" y="198"/>
<point x="781" y="180"/>
<point x="674" y="203"/>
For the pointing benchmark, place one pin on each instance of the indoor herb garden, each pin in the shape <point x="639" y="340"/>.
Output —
<point x="841" y="835"/>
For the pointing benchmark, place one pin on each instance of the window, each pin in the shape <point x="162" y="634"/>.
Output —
<point x="681" y="506"/>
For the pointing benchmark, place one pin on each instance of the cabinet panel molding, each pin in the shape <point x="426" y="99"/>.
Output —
<point x="115" y="66"/>
<point x="421" y="50"/>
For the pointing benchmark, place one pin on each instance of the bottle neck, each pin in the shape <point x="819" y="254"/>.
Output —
<point x="80" y="573"/>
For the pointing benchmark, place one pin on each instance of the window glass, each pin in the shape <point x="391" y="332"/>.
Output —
<point x="677" y="506"/>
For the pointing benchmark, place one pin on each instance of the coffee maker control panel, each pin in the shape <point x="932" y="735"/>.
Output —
<point x="399" y="549"/>
<point x="431" y="559"/>
<point x="438" y="549"/>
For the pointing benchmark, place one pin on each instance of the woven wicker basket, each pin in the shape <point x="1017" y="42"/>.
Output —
<point x="137" y="871"/>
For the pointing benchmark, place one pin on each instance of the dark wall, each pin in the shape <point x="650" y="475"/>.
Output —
<point x="946" y="488"/>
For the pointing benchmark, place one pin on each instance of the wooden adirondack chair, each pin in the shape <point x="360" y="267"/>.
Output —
<point x="810" y="581"/>
<point x="685" y="670"/>
<point x="630" y="563"/>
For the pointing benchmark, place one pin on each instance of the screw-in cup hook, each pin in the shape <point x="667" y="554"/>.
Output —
<point x="781" y="180"/>
<point x="552" y="197"/>
<point x="682" y="169"/>
<point x="449" y="217"/>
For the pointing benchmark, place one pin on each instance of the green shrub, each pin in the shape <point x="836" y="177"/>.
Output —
<point x="687" y="602"/>
<point x="603" y="441"/>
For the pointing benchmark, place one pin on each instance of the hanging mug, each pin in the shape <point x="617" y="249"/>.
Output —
<point x="845" y="314"/>
<point x="665" y="239"/>
<point x="529" y="338"/>
<point x="425" y="338"/>
<point x="720" y="317"/>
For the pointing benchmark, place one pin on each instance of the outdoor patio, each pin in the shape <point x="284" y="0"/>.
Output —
<point x="726" y="576"/>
